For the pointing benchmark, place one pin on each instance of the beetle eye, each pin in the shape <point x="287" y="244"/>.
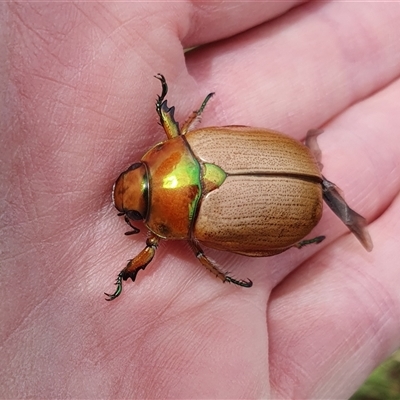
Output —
<point x="134" y="215"/>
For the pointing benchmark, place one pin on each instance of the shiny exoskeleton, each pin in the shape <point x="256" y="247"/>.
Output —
<point x="250" y="191"/>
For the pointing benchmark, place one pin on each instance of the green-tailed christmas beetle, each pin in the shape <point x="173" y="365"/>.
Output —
<point x="250" y="191"/>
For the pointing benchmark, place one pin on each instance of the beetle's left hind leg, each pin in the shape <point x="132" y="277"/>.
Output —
<point x="136" y="264"/>
<point x="214" y="269"/>
<point x="195" y="116"/>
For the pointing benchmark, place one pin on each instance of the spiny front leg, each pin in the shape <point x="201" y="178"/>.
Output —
<point x="133" y="266"/>
<point x="166" y="114"/>
<point x="214" y="269"/>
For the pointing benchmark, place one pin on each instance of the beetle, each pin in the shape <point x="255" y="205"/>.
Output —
<point x="251" y="191"/>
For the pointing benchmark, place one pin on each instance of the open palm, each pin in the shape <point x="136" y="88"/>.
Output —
<point x="78" y="109"/>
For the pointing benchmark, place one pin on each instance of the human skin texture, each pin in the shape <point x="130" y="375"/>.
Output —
<point x="78" y="107"/>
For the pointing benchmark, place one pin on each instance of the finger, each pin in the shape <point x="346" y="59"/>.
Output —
<point x="360" y="152"/>
<point x="299" y="71"/>
<point x="339" y="314"/>
<point x="334" y="321"/>
<point x="349" y="143"/>
<point x="208" y="22"/>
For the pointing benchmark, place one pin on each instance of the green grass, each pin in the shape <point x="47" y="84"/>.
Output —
<point x="383" y="383"/>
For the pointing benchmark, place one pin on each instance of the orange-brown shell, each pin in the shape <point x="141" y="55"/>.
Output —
<point x="174" y="188"/>
<point x="271" y="198"/>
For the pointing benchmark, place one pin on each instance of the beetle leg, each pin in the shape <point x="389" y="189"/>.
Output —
<point x="355" y="222"/>
<point x="312" y="143"/>
<point x="306" y="242"/>
<point x="214" y="269"/>
<point x="166" y="114"/>
<point x="133" y="266"/>
<point x="195" y="116"/>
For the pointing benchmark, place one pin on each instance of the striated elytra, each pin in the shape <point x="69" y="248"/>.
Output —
<point x="246" y="190"/>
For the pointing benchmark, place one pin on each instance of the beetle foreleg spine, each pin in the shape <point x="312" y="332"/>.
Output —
<point x="166" y="114"/>
<point x="136" y="264"/>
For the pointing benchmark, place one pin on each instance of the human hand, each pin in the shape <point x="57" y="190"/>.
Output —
<point x="78" y="108"/>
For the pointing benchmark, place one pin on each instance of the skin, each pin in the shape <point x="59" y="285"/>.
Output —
<point x="77" y="109"/>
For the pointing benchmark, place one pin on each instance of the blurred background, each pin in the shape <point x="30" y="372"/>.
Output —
<point x="383" y="383"/>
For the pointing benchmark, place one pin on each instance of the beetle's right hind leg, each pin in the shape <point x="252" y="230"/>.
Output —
<point x="214" y="269"/>
<point x="139" y="262"/>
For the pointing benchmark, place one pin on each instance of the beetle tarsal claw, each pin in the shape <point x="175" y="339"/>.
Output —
<point x="166" y="113"/>
<point x="164" y="86"/>
<point x="248" y="283"/>
<point x="118" y="290"/>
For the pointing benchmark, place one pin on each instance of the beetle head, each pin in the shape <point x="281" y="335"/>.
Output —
<point x="130" y="192"/>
